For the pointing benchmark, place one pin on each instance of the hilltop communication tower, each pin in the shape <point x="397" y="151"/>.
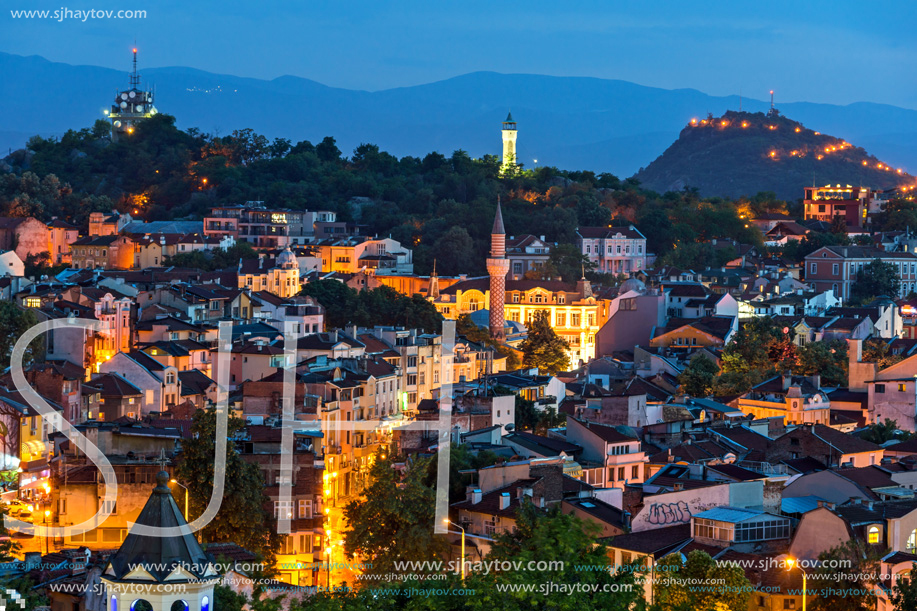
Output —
<point x="131" y="106"/>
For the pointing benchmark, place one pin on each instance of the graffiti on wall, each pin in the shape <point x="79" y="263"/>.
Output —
<point x="662" y="514"/>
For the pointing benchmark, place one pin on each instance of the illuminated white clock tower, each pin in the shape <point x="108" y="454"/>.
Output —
<point x="509" y="143"/>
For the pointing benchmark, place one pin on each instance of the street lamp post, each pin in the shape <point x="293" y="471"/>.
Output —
<point x="175" y="481"/>
<point x="448" y="521"/>
<point x="790" y="563"/>
<point x="47" y="517"/>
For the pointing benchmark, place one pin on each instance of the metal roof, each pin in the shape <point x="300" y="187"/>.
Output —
<point x="734" y="514"/>
<point x="799" y="504"/>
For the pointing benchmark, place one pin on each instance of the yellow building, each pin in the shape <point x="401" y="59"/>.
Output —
<point x="575" y="313"/>
<point x="797" y="399"/>
<point x="279" y="276"/>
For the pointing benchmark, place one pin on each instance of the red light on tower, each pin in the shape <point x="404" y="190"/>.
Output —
<point x="135" y="49"/>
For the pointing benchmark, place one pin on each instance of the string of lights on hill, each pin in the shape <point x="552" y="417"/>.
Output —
<point x="743" y="153"/>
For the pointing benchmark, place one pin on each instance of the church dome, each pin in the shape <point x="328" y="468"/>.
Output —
<point x="287" y="259"/>
<point x="631" y="284"/>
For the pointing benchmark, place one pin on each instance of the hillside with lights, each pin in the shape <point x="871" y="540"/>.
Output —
<point x="743" y="153"/>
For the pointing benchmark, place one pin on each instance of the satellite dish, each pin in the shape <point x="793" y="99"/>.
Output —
<point x="123" y="104"/>
<point x="123" y="96"/>
<point x="117" y="123"/>
<point x="131" y="94"/>
<point x="729" y="458"/>
<point x="138" y="108"/>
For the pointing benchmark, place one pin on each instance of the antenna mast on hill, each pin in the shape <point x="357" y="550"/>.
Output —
<point x="772" y="99"/>
<point x="135" y="78"/>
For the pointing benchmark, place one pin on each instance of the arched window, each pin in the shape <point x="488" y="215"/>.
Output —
<point x="205" y="604"/>
<point x="141" y="605"/>
<point x="179" y="605"/>
<point x="912" y="542"/>
<point x="113" y="604"/>
<point x="873" y="536"/>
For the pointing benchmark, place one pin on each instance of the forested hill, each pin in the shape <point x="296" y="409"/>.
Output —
<point x="440" y="206"/>
<point x="744" y="153"/>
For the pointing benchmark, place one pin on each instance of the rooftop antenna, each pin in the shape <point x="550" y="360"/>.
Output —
<point x="135" y="78"/>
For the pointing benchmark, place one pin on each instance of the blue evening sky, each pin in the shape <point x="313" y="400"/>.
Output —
<point x="837" y="51"/>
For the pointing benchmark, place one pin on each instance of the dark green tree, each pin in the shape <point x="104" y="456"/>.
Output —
<point x="827" y="359"/>
<point x="904" y="592"/>
<point x="243" y="517"/>
<point x="697" y="378"/>
<point x="395" y="519"/>
<point x="569" y="262"/>
<point x="876" y="350"/>
<point x="554" y="537"/>
<point x="675" y="588"/>
<point x="876" y="278"/>
<point x="13" y="323"/>
<point x="848" y="588"/>
<point x="881" y="432"/>
<point x="542" y="347"/>
<point x="455" y="252"/>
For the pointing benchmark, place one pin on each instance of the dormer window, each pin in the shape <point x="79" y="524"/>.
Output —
<point x="873" y="535"/>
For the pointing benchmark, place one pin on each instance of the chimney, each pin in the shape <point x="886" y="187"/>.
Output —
<point x="816" y="380"/>
<point x="504" y="500"/>
<point x="678" y="487"/>
<point x="476" y="496"/>
<point x="625" y="520"/>
<point x="855" y="347"/>
<point x="787" y="380"/>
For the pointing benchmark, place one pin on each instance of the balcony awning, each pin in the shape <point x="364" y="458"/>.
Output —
<point x="573" y="468"/>
<point x="34" y="447"/>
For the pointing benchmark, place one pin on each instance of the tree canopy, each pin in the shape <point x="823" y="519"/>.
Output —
<point x="370" y="307"/>
<point x="542" y="347"/>
<point x="243" y="517"/>
<point x="433" y="204"/>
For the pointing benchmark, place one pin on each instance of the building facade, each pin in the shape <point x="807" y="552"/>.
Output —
<point x="613" y="250"/>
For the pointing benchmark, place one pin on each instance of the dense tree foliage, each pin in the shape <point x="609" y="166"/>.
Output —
<point x="218" y="258"/>
<point x="395" y="519"/>
<point x="380" y="306"/>
<point x="243" y="517"/>
<point x="876" y="350"/>
<point x="848" y="588"/>
<point x="876" y="278"/>
<point x="433" y="204"/>
<point x="697" y="378"/>
<point x="762" y="349"/>
<point x="904" y="592"/>
<point x="473" y="333"/>
<point x="13" y="323"/>
<point x="882" y="432"/>
<point x="547" y="547"/>
<point x="542" y="347"/>
<point x="675" y="587"/>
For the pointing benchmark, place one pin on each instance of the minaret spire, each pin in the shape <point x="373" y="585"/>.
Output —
<point x="497" y="267"/>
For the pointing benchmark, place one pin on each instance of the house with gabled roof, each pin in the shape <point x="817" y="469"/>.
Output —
<point x="826" y="444"/>
<point x="687" y="334"/>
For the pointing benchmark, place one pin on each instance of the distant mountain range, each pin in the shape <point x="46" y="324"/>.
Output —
<point x="568" y="122"/>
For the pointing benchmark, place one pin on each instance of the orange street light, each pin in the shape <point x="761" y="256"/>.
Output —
<point x="790" y="563"/>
